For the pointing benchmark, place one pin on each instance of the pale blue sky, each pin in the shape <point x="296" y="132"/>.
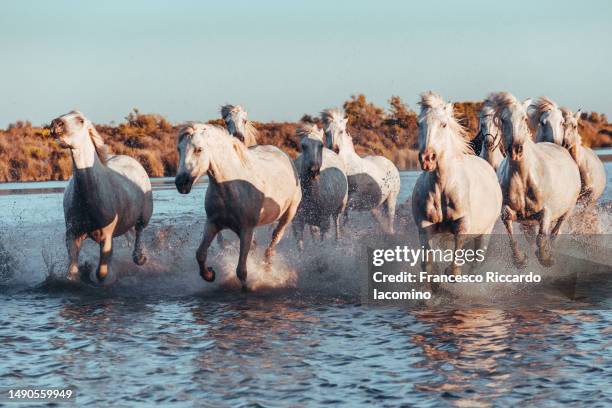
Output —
<point x="281" y="59"/>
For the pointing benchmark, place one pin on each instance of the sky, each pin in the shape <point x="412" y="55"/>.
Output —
<point x="281" y="59"/>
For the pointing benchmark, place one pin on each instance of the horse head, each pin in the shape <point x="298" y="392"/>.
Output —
<point x="335" y="123"/>
<point x="440" y="135"/>
<point x="312" y="150"/>
<point x="511" y="117"/>
<point x="571" y="136"/>
<point x="194" y="155"/>
<point x="547" y="120"/>
<point x="75" y="132"/>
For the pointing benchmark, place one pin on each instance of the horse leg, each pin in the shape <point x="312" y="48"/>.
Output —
<point x="378" y="216"/>
<point x="210" y="230"/>
<point x="458" y="228"/>
<point x="73" y="243"/>
<point x="336" y="218"/>
<point x="427" y="263"/>
<point x="543" y="239"/>
<point x="278" y="232"/>
<point x="246" y="238"/>
<point x="508" y="216"/>
<point x="138" y="255"/>
<point x="298" y="232"/>
<point x="324" y="227"/>
<point x="559" y="224"/>
<point x="106" y="252"/>
<point x="389" y="208"/>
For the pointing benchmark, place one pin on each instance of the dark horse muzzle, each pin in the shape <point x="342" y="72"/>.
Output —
<point x="428" y="160"/>
<point x="183" y="183"/>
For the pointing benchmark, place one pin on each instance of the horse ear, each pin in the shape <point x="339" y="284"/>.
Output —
<point x="527" y="103"/>
<point x="345" y="121"/>
<point x="578" y="114"/>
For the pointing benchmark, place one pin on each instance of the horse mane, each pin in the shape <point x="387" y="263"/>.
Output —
<point x="331" y="115"/>
<point x="216" y="132"/>
<point x="431" y="101"/>
<point x="250" y="132"/>
<point x="310" y="130"/>
<point x="98" y="142"/>
<point x="538" y="108"/>
<point x="487" y="108"/>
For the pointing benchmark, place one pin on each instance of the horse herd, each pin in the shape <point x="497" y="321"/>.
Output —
<point x="532" y="182"/>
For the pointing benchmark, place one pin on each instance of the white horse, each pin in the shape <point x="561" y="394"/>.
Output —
<point x="324" y="185"/>
<point x="490" y="135"/>
<point x="247" y="188"/>
<point x="374" y="181"/>
<point x="457" y="191"/>
<point x="560" y="126"/>
<point x="540" y="181"/>
<point x="106" y="196"/>
<point x="238" y="124"/>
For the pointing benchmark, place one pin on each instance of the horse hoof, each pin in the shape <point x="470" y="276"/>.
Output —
<point x="140" y="259"/>
<point x="545" y="261"/>
<point x="208" y="274"/>
<point x="244" y="288"/>
<point x="73" y="277"/>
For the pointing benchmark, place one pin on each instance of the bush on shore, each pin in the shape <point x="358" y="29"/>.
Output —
<point x="27" y="155"/>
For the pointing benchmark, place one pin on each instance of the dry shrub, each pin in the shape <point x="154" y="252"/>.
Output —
<point x="27" y="155"/>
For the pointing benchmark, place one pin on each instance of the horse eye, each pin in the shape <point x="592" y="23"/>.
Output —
<point x="197" y="150"/>
<point x="81" y="120"/>
<point x="444" y="124"/>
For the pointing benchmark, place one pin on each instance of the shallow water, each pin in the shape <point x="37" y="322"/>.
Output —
<point x="301" y="337"/>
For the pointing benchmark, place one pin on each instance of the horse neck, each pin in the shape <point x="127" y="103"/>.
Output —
<point x="447" y="163"/>
<point x="91" y="181"/>
<point x="348" y="154"/>
<point x="226" y="164"/>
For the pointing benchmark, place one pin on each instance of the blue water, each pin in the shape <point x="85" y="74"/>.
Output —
<point x="302" y="337"/>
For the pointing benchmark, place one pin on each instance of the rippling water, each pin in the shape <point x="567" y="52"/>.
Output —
<point x="301" y="338"/>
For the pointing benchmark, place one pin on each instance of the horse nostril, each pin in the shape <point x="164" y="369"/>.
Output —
<point x="433" y="156"/>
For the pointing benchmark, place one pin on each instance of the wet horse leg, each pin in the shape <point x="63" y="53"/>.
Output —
<point x="246" y="238"/>
<point x="73" y="243"/>
<point x="336" y="219"/>
<point x="426" y="263"/>
<point x="138" y="255"/>
<point x="458" y="228"/>
<point x="543" y="238"/>
<point x="389" y="208"/>
<point x="277" y="234"/>
<point x="210" y="230"/>
<point x="298" y="232"/>
<point x="508" y="216"/>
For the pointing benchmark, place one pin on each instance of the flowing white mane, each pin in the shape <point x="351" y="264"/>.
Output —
<point x="433" y="104"/>
<point x="541" y="106"/>
<point x="250" y="132"/>
<point x="311" y="131"/>
<point x="332" y="115"/>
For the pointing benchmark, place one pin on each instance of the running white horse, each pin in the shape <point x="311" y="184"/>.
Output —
<point x="247" y="188"/>
<point x="540" y="181"/>
<point x="238" y="124"/>
<point x="106" y="197"/>
<point x="374" y="181"/>
<point x="490" y="135"/>
<point x="457" y="191"/>
<point x="560" y="126"/>
<point x="324" y="185"/>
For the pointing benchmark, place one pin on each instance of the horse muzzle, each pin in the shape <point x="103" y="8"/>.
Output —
<point x="516" y="152"/>
<point x="428" y="160"/>
<point x="183" y="183"/>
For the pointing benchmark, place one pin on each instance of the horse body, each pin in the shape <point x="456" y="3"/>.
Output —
<point x="560" y="126"/>
<point x="324" y="185"/>
<point x="540" y="181"/>
<point x="248" y="188"/>
<point x="373" y="181"/>
<point x="457" y="192"/>
<point x="106" y="196"/>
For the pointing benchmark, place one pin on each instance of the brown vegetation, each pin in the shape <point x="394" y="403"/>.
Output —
<point x="27" y="155"/>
